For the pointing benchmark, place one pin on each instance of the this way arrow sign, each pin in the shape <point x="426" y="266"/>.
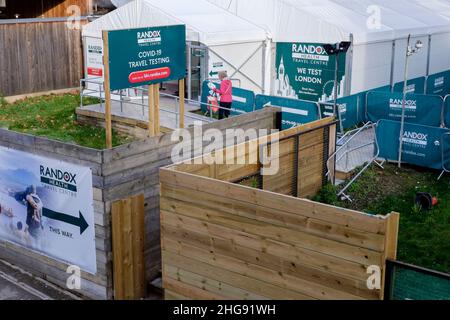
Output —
<point x="78" y="222"/>
<point x="211" y="73"/>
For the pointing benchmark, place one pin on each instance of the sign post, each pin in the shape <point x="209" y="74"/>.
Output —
<point x="144" y="56"/>
<point x="151" y="111"/>
<point x="181" y="95"/>
<point x="108" y="123"/>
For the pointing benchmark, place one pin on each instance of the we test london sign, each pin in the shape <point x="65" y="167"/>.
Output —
<point x="146" y="56"/>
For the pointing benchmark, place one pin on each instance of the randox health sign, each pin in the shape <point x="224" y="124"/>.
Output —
<point x="146" y="56"/>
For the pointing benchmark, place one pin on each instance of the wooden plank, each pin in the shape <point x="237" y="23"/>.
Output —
<point x="151" y="111"/>
<point x="345" y="217"/>
<point x="220" y="273"/>
<point x="170" y="295"/>
<point x="128" y="248"/>
<point x="219" y="209"/>
<point x="106" y="85"/>
<point x="181" y="91"/>
<point x="299" y="239"/>
<point x="185" y="290"/>
<point x="116" y="212"/>
<point x="291" y="264"/>
<point x="127" y="245"/>
<point x="157" y="110"/>
<point x="253" y="273"/>
<point x="392" y="229"/>
<point x="210" y="285"/>
<point x="139" y="245"/>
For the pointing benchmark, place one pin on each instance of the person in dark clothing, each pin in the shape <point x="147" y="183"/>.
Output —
<point x="34" y="212"/>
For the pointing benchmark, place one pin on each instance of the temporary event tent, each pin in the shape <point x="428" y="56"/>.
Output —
<point x="216" y="40"/>
<point x="378" y="30"/>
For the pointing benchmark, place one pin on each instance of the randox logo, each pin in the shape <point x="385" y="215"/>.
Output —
<point x="55" y="177"/>
<point x="398" y="104"/>
<point x="309" y="52"/>
<point x="95" y="49"/>
<point x="415" y="138"/>
<point x="149" y="37"/>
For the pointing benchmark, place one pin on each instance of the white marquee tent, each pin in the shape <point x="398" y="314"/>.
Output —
<point x="377" y="28"/>
<point x="217" y="39"/>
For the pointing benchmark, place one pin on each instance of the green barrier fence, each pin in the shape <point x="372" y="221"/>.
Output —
<point x="416" y="86"/>
<point x="362" y="115"/>
<point x="348" y="111"/>
<point x="294" y="112"/>
<point x="446" y="152"/>
<point x="243" y="100"/>
<point x="420" y="109"/>
<point x="439" y="84"/>
<point x="407" y="282"/>
<point x="422" y="145"/>
<point x="446" y="111"/>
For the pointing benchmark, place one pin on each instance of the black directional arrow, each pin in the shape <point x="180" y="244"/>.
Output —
<point x="78" y="222"/>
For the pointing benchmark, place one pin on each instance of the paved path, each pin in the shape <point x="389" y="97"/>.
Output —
<point x="16" y="284"/>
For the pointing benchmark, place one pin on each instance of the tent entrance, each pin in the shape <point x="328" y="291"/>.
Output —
<point x="197" y="64"/>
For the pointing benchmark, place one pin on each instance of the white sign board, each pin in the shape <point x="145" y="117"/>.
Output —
<point x="46" y="205"/>
<point x="94" y="70"/>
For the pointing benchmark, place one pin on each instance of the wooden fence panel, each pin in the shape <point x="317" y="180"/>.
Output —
<point x="128" y="248"/>
<point x="227" y="241"/>
<point x="39" y="56"/>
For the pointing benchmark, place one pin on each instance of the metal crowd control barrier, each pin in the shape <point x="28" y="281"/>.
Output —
<point x="344" y="150"/>
<point x="445" y="154"/>
<point x="99" y="94"/>
<point x="446" y="112"/>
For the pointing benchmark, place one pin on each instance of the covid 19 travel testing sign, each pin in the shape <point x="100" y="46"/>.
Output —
<point x="46" y="206"/>
<point x="305" y="71"/>
<point x="146" y="56"/>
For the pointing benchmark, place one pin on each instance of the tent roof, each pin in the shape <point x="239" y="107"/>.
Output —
<point x="205" y="22"/>
<point x="330" y="21"/>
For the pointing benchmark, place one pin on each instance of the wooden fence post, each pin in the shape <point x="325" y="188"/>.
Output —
<point x="108" y="123"/>
<point x="151" y="111"/>
<point x="128" y="232"/>
<point x="181" y="93"/>
<point x="390" y="246"/>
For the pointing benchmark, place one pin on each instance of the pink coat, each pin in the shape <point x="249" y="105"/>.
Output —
<point x="225" y="91"/>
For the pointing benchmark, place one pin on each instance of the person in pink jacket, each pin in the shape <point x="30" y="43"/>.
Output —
<point x="226" y="95"/>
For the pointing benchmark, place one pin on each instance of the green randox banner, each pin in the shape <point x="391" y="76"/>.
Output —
<point x="439" y="84"/>
<point x="416" y="86"/>
<point x="294" y="112"/>
<point x="348" y="109"/>
<point x="422" y="145"/>
<point x="243" y="100"/>
<point x="305" y="71"/>
<point x="146" y="56"/>
<point x="420" y="109"/>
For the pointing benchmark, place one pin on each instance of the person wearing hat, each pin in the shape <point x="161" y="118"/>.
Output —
<point x="226" y="95"/>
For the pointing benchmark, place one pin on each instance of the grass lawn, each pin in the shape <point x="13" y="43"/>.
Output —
<point x="53" y="116"/>
<point x="424" y="238"/>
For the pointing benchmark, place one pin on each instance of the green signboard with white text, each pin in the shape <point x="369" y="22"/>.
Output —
<point x="305" y="71"/>
<point x="146" y="56"/>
